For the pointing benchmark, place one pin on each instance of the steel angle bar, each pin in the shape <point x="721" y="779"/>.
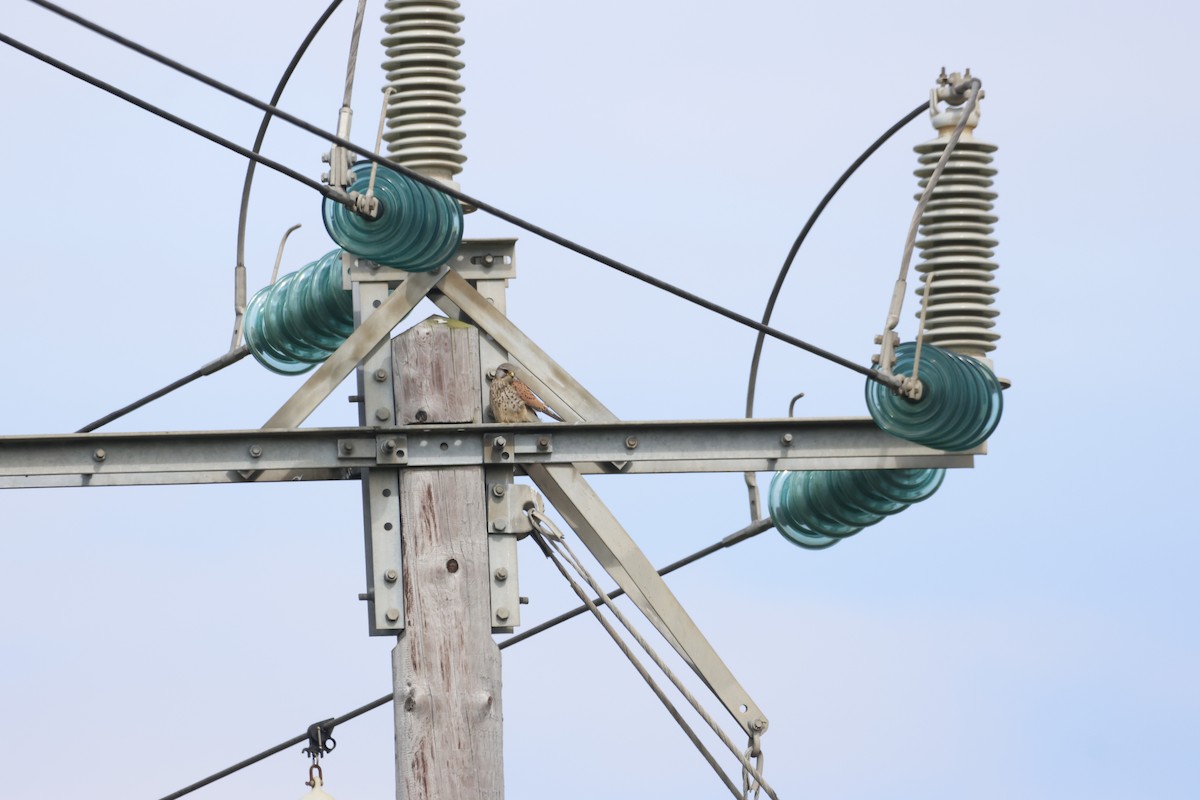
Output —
<point x="329" y="453"/>
<point x="111" y="459"/>
<point x="365" y="338"/>
<point x="612" y="546"/>
<point x="549" y="380"/>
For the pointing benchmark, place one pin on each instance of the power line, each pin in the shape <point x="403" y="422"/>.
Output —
<point x="461" y="196"/>
<point x="164" y="114"/>
<point x="752" y="382"/>
<point x="736" y="537"/>
<point x="232" y="357"/>
<point x="235" y="353"/>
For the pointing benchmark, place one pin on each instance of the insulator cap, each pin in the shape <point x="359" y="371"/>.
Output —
<point x="418" y="228"/>
<point x="960" y="403"/>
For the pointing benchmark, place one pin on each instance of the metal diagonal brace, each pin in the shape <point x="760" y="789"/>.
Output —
<point x="365" y="338"/>
<point x="550" y="381"/>
<point x="616" y="551"/>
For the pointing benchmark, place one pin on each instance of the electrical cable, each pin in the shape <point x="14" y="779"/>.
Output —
<point x="494" y="211"/>
<point x="750" y="531"/>
<point x="235" y="353"/>
<point x="625" y="649"/>
<point x="559" y="545"/>
<point x="232" y="357"/>
<point x="216" y="776"/>
<point x="736" y="537"/>
<point x="239" y="280"/>
<point x="752" y="383"/>
<point x="164" y="114"/>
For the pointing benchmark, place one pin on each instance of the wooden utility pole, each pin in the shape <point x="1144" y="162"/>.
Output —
<point x="445" y="666"/>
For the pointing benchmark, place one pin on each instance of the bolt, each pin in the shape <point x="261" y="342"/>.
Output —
<point x="786" y="439"/>
<point x="376" y="303"/>
<point x="381" y="375"/>
<point x="389" y="446"/>
<point x="499" y="442"/>
<point x="255" y="451"/>
<point x="354" y="398"/>
<point x="347" y="447"/>
<point x="501" y="614"/>
<point x="523" y="600"/>
<point x="488" y="260"/>
<point x="391" y="576"/>
<point x="500" y="524"/>
<point x="382" y="414"/>
<point x="100" y="455"/>
<point x="422" y="415"/>
<point x="393" y="615"/>
<point x="365" y="596"/>
<point x="543" y="442"/>
<point x="631" y="442"/>
<point x="452" y="565"/>
<point x="498" y="490"/>
<point x="501" y="574"/>
<point x="759" y="724"/>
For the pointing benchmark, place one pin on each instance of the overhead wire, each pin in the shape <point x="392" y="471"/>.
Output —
<point x="486" y="207"/>
<point x="752" y="382"/>
<point x="167" y="115"/>
<point x="736" y="537"/>
<point x="239" y="276"/>
<point x="560" y="546"/>
<point x="235" y="352"/>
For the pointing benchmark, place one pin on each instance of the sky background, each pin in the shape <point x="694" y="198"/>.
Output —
<point x="1031" y="631"/>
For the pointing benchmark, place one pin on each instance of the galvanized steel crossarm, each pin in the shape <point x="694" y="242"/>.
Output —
<point x="105" y="459"/>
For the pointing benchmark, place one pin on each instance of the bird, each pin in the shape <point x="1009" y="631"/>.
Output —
<point x="513" y="401"/>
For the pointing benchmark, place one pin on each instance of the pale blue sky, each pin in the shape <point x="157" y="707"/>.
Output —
<point x="1031" y="631"/>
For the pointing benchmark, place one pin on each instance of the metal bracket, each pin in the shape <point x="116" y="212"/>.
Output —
<point x="508" y="520"/>
<point x="508" y="504"/>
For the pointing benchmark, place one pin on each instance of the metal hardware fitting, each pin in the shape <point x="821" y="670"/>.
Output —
<point x="391" y="449"/>
<point x="320" y="738"/>
<point x="508" y="507"/>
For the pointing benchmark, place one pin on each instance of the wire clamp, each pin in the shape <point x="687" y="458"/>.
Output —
<point x="320" y="740"/>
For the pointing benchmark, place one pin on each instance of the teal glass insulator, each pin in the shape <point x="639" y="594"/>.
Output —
<point x="418" y="228"/>
<point x="960" y="405"/>
<point x="817" y="509"/>
<point x="298" y="321"/>
<point x="783" y="487"/>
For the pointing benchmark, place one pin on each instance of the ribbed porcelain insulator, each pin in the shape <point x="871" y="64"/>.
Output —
<point x="424" y="116"/>
<point x="956" y="246"/>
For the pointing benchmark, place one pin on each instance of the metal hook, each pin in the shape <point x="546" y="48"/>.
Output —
<point x="792" y="405"/>
<point x="279" y="254"/>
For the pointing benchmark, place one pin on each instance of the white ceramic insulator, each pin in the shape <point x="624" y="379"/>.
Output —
<point x="956" y="244"/>
<point x="424" y="117"/>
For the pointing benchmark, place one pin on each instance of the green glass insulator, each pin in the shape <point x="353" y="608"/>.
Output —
<point x="817" y="509"/>
<point x="298" y="321"/>
<point x="960" y="405"/>
<point x="418" y="228"/>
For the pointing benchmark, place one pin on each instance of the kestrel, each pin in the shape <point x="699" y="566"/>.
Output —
<point x="513" y="401"/>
